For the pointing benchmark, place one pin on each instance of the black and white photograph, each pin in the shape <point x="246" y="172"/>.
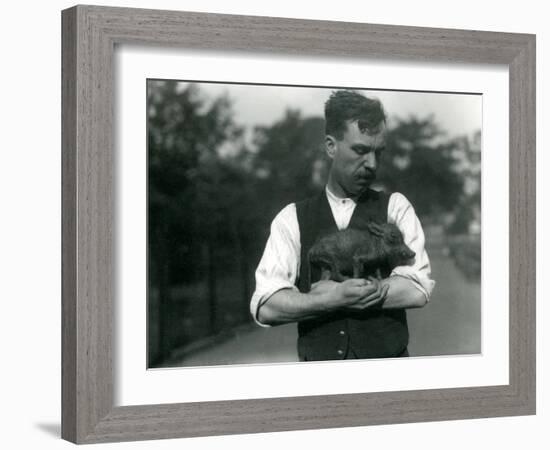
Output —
<point x="267" y="225"/>
<point x="301" y="223"/>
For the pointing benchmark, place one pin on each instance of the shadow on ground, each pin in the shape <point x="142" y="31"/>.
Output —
<point x="53" y="429"/>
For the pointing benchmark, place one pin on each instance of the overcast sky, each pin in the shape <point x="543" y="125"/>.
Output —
<point x="262" y="105"/>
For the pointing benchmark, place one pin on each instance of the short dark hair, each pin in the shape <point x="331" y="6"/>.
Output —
<point x="349" y="105"/>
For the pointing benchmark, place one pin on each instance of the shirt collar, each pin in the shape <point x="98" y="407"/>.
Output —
<point x="337" y="200"/>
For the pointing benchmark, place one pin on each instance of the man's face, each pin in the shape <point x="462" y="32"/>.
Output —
<point x="355" y="158"/>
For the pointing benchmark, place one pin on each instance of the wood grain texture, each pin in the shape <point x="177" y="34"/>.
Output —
<point x="89" y="36"/>
<point x="522" y="192"/>
<point x="68" y="225"/>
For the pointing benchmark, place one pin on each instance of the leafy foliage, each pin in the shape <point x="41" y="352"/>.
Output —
<point x="418" y="162"/>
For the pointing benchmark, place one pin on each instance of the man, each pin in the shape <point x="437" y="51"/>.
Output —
<point x="356" y="318"/>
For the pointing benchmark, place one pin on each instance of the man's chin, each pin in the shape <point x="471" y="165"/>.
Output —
<point x="356" y="193"/>
<point x="362" y="185"/>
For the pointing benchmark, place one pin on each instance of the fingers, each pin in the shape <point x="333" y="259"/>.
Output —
<point x="370" y="296"/>
<point x="361" y="288"/>
<point x="378" y="300"/>
<point x="356" y="293"/>
<point x="356" y="283"/>
<point x="376" y="293"/>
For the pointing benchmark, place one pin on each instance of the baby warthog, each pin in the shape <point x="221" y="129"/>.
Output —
<point x="349" y="253"/>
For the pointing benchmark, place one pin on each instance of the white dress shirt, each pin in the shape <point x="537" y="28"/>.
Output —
<point x="280" y="263"/>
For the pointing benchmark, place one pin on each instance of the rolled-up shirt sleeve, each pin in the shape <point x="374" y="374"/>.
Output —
<point x="402" y="214"/>
<point x="280" y="263"/>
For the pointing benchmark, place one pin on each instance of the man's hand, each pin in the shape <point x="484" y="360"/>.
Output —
<point x="353" y="294"/>
<point x="326" y="296"/>
<point x="375" y="298"/>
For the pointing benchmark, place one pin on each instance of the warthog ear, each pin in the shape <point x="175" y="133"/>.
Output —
<point x="375" y="229"/>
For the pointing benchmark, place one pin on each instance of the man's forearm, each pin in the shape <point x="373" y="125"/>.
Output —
<point x="288" y="305"/>
<point x="403" y="293"/>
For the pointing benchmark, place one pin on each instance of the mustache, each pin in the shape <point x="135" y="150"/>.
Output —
<point x="367" y="173"/>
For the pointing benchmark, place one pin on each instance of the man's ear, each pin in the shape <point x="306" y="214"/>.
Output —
<point x="330" y="146"/>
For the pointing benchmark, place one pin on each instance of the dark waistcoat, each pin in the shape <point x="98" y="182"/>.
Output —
<point x="368" y="334"/>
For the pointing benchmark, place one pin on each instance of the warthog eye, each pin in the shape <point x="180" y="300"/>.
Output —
<point x="392" y="237"/>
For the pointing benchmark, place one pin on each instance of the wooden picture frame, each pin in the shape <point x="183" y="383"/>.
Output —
<point x="90" y="34"/>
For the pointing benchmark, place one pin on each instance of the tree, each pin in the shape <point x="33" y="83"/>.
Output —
<point x="185" y="133"/>
<point x="289" y="161"/>
<point x="419" y="162"/>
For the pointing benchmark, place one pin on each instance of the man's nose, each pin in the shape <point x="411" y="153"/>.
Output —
<point x="369" y="160"/>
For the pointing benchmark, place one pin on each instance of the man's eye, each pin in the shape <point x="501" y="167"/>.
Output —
<point x="361" y="150"/>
